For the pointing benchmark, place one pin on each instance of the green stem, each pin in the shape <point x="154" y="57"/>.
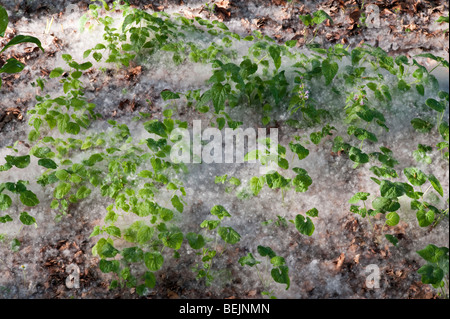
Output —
<point x="262" y="59"/>
<point x="212" y="259"/>
<point x="440" y="119"/>
<point x="423" y="196"/>
<point x="438" y="65"/>
<point x="223" y="250"/>
<point x="260" y="277"/>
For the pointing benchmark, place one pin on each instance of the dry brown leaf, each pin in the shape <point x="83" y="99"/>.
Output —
<point x="252" y="293"/>
<point x="339" y="261"/>
<point x="223" y="4"/>
<point x="354" y="16"/>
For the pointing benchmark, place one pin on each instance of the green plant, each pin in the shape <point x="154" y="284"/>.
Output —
<point x="435" y="272"/>
<point x="198" y="241"/>
<point x="313" y="21"/>
<point x="363" y="16"/>
<point x="443" y="19"/>
<point x="12" y="66"/>
<point x="279" y="273"/>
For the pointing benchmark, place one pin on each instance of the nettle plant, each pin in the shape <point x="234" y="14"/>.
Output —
<point x="12" y="65"/>
<point x="143" y="222"/>
<point x="278" y="274"/>
<point x="312" y="22"/>
<point x="198" y="241"/>
<point x="435" y="272"/>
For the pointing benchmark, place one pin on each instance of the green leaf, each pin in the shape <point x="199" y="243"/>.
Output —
<point x="383" y="204"/>
<point x="229" y="235"/>
<point x="18" y="161"/>
<point x="62" y="175"/>
<point x="442" y="19"/>
<point x="444" y="131"/>
<point x="156" y="127"/>
<point x="23" y="39"/>
<point x="173" y="240"/>
<point x="320" y="16"/>
<point x="313" y="212"/>
<point x="302" y="181"/>
<point x="266" y="251"/>
<point x="415" y="176"/>
<point x="359" y="196"/>
<point x="306" y="19"/>
<point x="153" y="261"/>
<point x="304" y="226"/>
<point x="196" y="241"/>
<point x="281" y="275"/>
<point x="275" y="54"/>
<point x="133" y="254"/>
<point x="420" y="89"/>
<point x="219" y="95"/>
<point x="435" y="105"/>
<point x="234" y="181"/>
<point x="298" y="149"/>
<point x="26" y="219"/>
<point x="62" y="190"/>
<point x="3" y="21"/>
<point x="97" y="56"/>
<point x="392" y="219"/>
<point x="149" y="280"/>
<point x="278" y="261"/>
<point x="5" y="219"/>
<point x="83" y="192"/>
<point x="392" y="239"/>
<point x="28" y="198"/>
<point x="73" y="128"/>
<point x="436" y="184"/>
<point x="12" y="66"/>
<point x="357" y="156"/>
<point x="168" y="95"/>
<point x="15" y="245"/>
<point x="248" y="67"/>
<point x="248" y="260"/>
<point x="425" y="218"/>
<point x="55" y="73"/>
<point x="210" y="224"/>
<point x="275" y="180"/>
<point x="431" y="274"/>
<point x="220" y="212"/>
<point x="421" y="126"/>
<point x="433" y="254"/>
<point x="5" y="202"/>
<point x="177" y="203"/>
<point x="107" y="266"/>
<point x="256" y="185"/>
<point x="433" y="57"/>
<point x="291" y="43"/>
<point x="329" y="70"/>
<point x="106" y="250"/>
<point x="403" y="86"/>
<point x="113" y="231"/>
<point x="41" y="152"/>
<point x="144" y="234"/>
<point x="391" y="190"/>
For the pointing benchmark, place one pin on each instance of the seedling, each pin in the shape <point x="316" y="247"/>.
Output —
<point x="12" y="65"/>
<point x="279" y="273"/>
